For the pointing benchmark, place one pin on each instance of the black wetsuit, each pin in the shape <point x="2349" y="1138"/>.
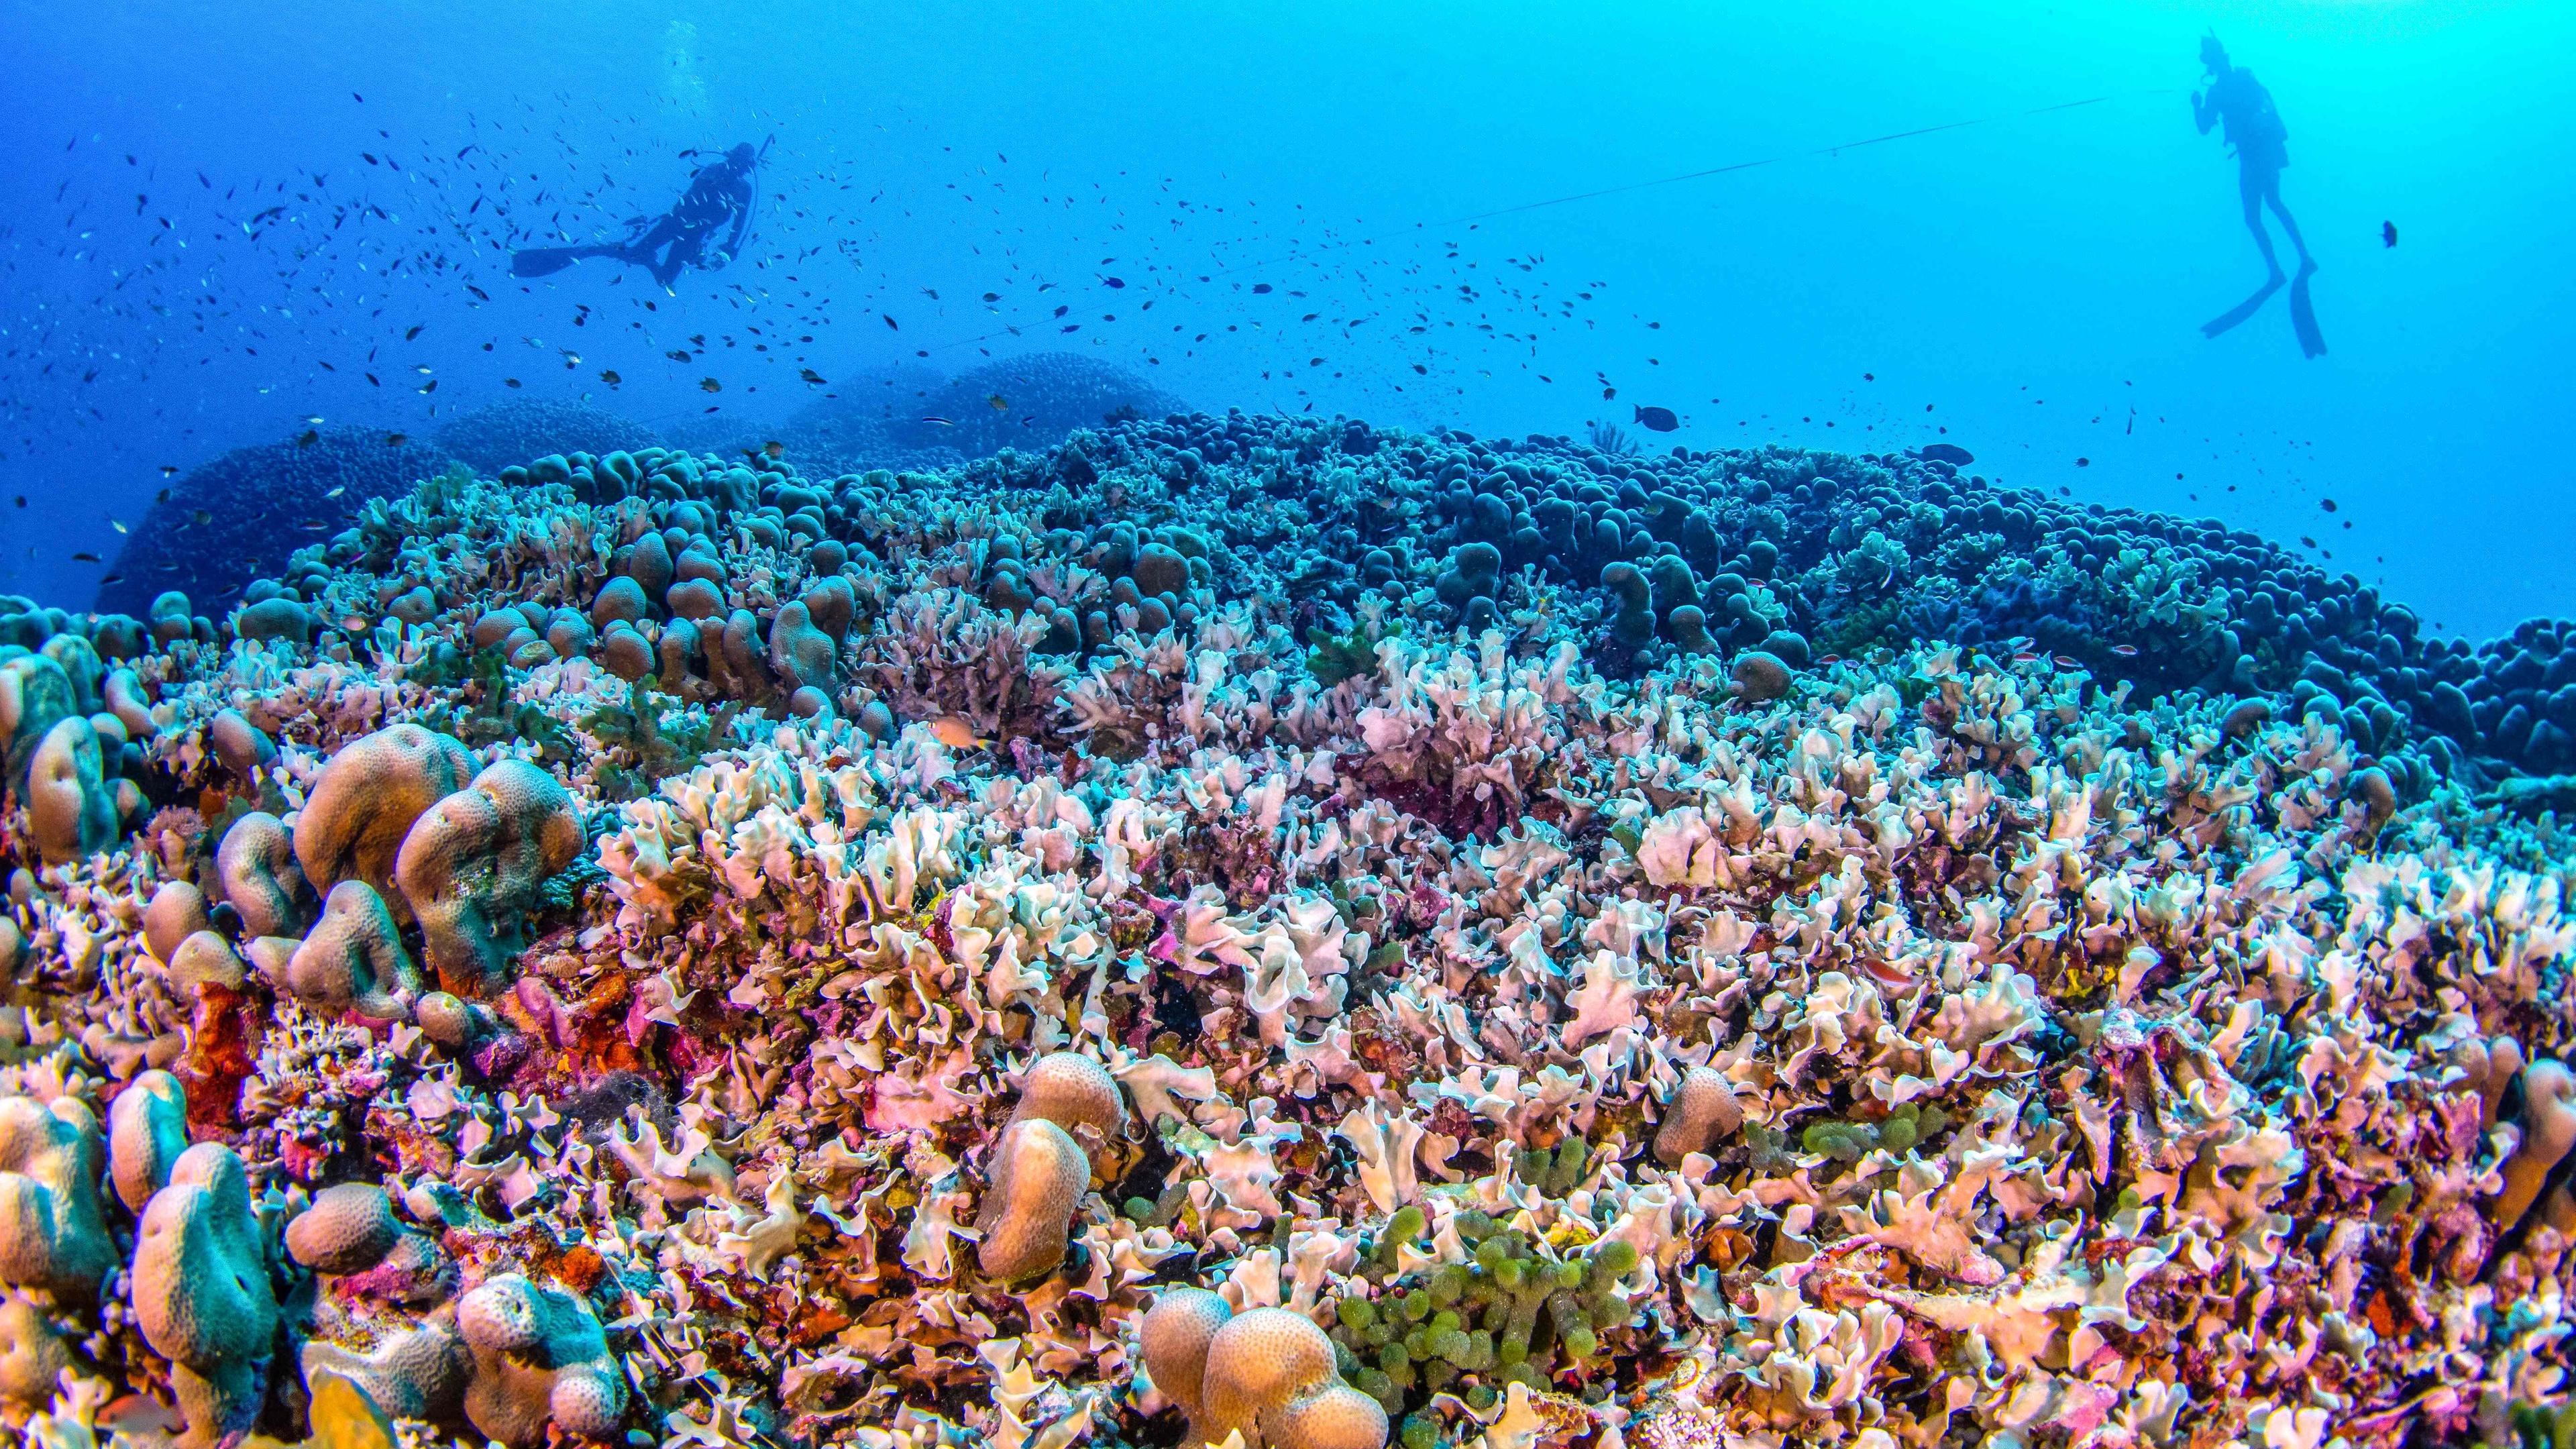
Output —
<point x="2261" y="142"/>
<point x="718" y="195"/>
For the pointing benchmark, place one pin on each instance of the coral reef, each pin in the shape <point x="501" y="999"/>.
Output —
<point x="495" y="435"/>
<point x="218" y="526"/>
<point x="1276" y="930"/>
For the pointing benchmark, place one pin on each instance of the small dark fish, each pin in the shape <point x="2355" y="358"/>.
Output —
<point x="891" y="324"/>
<point x="609" y="375"/>
<point x="2388" y="233"/>
<point x="1261" y="286"/>
<point x="998" y="403"/>
<point x="810" y="375"/>
<point x="311" y="436"/>
<point x="1660" y="420"/>
<point x="87" y="557"/>
<point x="2327" y="504"/>
<point x="2083" y="462"/>
<point x="933" y="418"/>
<point x="1112" y="282"/>
<point x="709" y="384"/>
<point x="22" y="498"/>
<point x="167" y="469"/>
<point x="411" y="332"/>
<point x="1950" y="453"/>
<point x="396" y="440"/>
<point x="161" y="497"/>
<point x="773" y="451"/>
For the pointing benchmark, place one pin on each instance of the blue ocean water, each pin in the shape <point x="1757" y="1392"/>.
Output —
<point x="225" y="221"/>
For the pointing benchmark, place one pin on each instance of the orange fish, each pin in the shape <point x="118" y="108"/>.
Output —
<point x="957" y="733"/>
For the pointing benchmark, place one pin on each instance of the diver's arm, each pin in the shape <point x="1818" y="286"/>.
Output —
<point x="2204" y="109"/>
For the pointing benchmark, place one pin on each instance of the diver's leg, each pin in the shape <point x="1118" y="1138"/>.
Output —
<point x="2250" y="186"/>
<point x="641" y="249"/>
<point x="2272" y="194"/>
<point x="684" y="250"/>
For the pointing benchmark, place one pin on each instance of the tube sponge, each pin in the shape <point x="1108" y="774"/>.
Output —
<point x="1703" y="1109"/>
<point x="353" y="959"/>
<point x="202" y="1295"/>
<point x="476" y="860"/>
<point x="367" y="798"/>
<point x="52" y="1235"/>
<point x="539" y="1358"/>
<point x="1269" y="1375"/>
<point x="147" y="1129"/>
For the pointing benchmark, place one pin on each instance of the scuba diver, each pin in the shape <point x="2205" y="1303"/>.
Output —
<point x="719" y="193"/>
<point x="2253" y="128"/>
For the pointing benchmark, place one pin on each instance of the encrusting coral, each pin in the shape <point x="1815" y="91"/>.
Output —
<point x="1370" y="936"/>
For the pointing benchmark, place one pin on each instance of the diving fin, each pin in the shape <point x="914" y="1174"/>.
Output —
<point x="545" y="261"/>
<point x="2234" y="317"/>
<point x="2303" y="314"/>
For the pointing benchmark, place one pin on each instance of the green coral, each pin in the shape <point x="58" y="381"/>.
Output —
<point x="649" y="753"/>
<point x="1336" y="657"/>
<point x="1515" y="1312"/>
<point x="1904" y="1128"/>
<point x="2543" y="1426"/>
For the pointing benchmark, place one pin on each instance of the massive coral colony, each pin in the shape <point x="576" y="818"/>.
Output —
<point x="1264" y="931"/>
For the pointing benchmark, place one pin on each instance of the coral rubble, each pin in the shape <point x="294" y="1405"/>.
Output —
<point x="1283" y="933"/>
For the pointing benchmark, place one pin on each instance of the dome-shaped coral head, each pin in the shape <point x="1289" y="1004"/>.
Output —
<point x="1271" y="1377"/>
<point x="539" y="1358"/>
<point x="1077" y="1094"/>
<point x="476" y="863"/>
<point x="52" y="1235"/>
<point x="1038" y="1176"/>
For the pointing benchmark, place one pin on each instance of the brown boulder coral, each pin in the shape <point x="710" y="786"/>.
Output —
<point x="1267" y="1374"/>
<point x="256" y="866"/>
<point x="353" y="959"/>
<point x="1041" y="1167"/>
<point x="366" y="800"/>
